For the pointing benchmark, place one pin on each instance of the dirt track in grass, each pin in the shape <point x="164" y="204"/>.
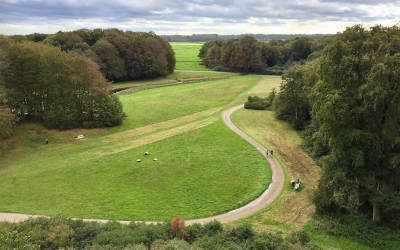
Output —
<point x="266" y="198"/>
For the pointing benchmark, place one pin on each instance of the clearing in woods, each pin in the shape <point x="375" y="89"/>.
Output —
<point x="187" y="56"/>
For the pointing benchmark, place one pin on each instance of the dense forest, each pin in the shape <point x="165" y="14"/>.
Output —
<point x="120" y="55"/>
<point x="347" y="103"/>
<point x="216" y="37"/>
<point x="248" y="55"/>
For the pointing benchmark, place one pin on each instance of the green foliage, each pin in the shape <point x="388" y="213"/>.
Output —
<point x="64" y="90"/>
<point x="274" y="70"/>
<point x="242" y="55"/>
<point x="255" y="102"/>
<point x="7" y="122"/>
<point x="355" y="107"/>
<point x="301" y="48"/>
<point x="292" y="103"/>
<point x="299" y="236"/>
<point x="258" y="103"/>
<point x="246" y="54"/>
<point x="120" y="55"/>
<point x="7" y="118"/>
<point x="60" y="233"/>
<point x="12" y="239"/>
<point x="111" y="64"/>
<point x="357" y="228"/>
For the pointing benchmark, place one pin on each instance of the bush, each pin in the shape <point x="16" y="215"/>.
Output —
<point x="266" y="241"/>
<point x="299" y="237"/>
<point x="243" y="232"/>
<point x="213" y="228"/>
<point x="359" y="228"/>
<point x="59" y="233"/>
<point x="255" y="102"/>
<point x="258" y="103"/>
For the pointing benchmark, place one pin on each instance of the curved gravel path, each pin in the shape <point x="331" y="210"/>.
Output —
<point x="266" y="198"/>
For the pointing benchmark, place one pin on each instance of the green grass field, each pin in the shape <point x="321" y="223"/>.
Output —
<point x="99" y="177"/>
<point x="186" y="55"/>
<point x="176" y="78"/>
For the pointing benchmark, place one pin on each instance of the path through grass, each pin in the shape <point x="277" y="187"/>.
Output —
<point x="203" y="168"/>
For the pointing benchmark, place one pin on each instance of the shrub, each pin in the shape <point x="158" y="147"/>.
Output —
<point x="299" y="237"/>
<point x="60" y="235"/>
<point x="213" y="228"/>
<point x="11" y="239"/>
<point x="243" y="232"/>
<point x="359" y="228"/>
<point x="255" y="102"/>
<point x="193" y="232"/>
<point x="266" y="241"/>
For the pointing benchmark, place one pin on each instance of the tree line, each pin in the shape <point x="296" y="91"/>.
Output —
<point x="60" y="79"/>
<point x="347" y="102"/>
<point x="60" y="89"/>
<point x="121" y="55"/>
<point x="248" y="55"/>
<point x="213" y="37"/>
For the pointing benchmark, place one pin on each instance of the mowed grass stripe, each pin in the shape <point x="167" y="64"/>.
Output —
<point x="161" y="125"/>
<point x="151" y="138"/>
<point x="186" y="55"/>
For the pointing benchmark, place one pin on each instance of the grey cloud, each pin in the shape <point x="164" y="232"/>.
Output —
<point x="226" y="11"/>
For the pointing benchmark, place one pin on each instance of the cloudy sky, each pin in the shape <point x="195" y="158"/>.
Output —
<point x="195" y="16"/>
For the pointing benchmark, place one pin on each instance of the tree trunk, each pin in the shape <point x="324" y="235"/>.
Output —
<point x="376" y="213"/>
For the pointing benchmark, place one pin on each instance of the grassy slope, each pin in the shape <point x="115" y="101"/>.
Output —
<point x="186" y="55"/>
<point x="100" y="178"/>
<point x="191" y="179"/>
<point x="160" y="104"/>
<point x="177" y="77"/>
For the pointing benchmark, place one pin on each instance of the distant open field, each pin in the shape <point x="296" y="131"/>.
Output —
<point x="176" y="78"/>
<point x="195" y="174"/>
<point x="187" y="56"/>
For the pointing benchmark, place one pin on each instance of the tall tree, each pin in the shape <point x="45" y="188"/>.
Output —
<point x="246" y="55"/>
<point x="292" y="103"/>
<point x="111" y="64"/>
<point x="356" y="106"/>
